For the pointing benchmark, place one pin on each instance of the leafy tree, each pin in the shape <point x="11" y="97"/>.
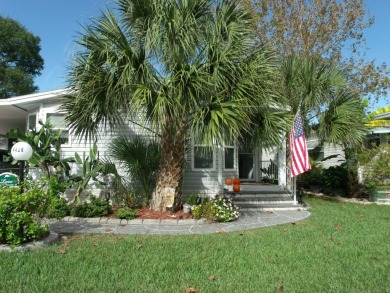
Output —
<point x="331" y="29"/>
<point x="188" y="67"/>
<point x="20" y="61"/>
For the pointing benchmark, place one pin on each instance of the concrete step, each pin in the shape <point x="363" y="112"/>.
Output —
<point x="263" y="191"/>
<point x="264" y="201"/>
<point x="260" y="196"/>
<point x="270" y="207"/>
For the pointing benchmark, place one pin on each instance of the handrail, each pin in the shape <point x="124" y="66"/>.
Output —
<point x="269" y="170"/>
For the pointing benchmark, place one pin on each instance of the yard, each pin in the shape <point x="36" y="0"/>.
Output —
<point x="342" y="247"/>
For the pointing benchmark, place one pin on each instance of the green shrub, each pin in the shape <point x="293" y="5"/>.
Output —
<point x="95" y="208"/>
<point x="125" y="213"/>
<point x="55" y="185"/>
<point x="335" y="178"/>
<point x="193" y="199"/>
<point x="204" y="210"/>
<point x="58" y="208"/>
<point x="20" y="215"/>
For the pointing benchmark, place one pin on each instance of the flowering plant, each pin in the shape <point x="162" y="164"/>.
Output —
<point x="224" y="209"/>
<point x="219" y="208"/>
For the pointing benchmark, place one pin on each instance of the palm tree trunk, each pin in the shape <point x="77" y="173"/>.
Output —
<point x="170" y="176"/>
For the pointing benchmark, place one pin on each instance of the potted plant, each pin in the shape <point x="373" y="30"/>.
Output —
<point x="375" y="171"/>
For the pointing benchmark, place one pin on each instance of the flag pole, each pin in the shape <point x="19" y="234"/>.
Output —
<point x="295" y="191"/>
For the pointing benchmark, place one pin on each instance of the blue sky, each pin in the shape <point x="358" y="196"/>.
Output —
<point x="57" y="23"/>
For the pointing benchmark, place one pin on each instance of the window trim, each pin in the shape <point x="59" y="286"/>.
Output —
<point x="28" y="120"/>
<point x="234" y="157"/>
<point x="212" y="148"/>
<point x="65" y="145"/>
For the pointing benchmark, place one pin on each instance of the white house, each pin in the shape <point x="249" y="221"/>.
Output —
<point x="205" y="174"/>
<point x="379" y="126"/>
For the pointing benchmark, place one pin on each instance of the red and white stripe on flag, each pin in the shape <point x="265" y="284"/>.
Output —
<point x="300" y="162"/>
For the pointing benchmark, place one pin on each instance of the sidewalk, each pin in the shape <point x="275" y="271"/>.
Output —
<point x="248" y="220"/>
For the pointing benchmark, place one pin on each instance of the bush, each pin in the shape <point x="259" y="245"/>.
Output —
<point x="20" y="215"/>
<point x="58" y="208"/>
<point x="219" y="209"/>
<point x="193" y="199"/>
<point x="125" y="213"/>
<point x="95" y="208"/>
<point x="375" y="168"/>
<point x="204" y="210"/>
<point x="335" y="179"/>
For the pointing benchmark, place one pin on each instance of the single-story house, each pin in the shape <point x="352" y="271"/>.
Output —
<point x="203" y="174"/>
<point x="379" y="126"/>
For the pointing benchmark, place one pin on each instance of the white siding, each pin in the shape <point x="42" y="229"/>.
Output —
<point x="330" y="150"/>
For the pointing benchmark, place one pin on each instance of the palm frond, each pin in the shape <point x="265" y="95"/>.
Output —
<point x="342" y="121"/>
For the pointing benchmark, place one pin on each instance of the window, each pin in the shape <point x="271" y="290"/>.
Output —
<point x="32" y="121"/>
<point x="58" y="121"/>
<point x="229" y="157"/>
<point x="203" y="157"/>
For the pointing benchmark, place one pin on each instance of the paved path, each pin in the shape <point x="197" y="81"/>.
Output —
<point x="248" y="220"/>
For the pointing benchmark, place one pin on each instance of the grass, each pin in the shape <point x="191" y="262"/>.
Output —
<point x="342" y="247"/>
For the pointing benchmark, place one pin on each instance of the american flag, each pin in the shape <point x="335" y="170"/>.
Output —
<point x="300" y="162"/>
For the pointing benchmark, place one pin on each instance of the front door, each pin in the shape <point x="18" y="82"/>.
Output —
<point x="246" y="163"/>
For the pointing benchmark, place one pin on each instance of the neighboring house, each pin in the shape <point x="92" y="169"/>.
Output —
<point x="379" y="126"/>
<point x="320" y="151"/>
<point x="206" y="171"/>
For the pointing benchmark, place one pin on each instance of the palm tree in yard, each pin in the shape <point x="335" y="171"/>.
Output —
<point x="319" y="90"/>
<point x="187" y="67"/>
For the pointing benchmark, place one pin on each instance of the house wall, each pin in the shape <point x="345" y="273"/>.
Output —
<point x="207" y="181"/>
<point x="195" y="181"/>
<point x="330" y="150"/>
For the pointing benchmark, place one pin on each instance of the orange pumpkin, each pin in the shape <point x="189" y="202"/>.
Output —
<point x="236" y="188"/>
<point x="236" y="181"/>
<point x="229" y="181"/>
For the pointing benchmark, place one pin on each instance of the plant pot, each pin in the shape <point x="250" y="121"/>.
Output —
<point x="186" y="208"/>
<point x="380" y="194"/>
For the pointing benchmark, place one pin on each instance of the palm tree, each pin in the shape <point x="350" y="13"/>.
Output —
<point x="188" y="67"/>
<point x="319" y="90"/>
<point x="140" y="159"/>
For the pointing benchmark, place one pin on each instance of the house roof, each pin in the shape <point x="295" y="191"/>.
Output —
<point x="13" y="110"/>
<point x="380" y="122"/>
<point x="28" y="102"/>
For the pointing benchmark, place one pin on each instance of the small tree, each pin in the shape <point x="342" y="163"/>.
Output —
<point x="46" y="145"/>
<point x="91" y="169"/>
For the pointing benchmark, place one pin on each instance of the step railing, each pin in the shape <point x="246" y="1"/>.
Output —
<point x="269" y="170"/>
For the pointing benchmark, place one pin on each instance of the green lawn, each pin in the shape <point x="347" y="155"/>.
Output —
<point x="340" y="248"/>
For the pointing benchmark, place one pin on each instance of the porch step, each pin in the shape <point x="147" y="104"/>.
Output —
<point x="270" y="207"/>
<point x="264" y="200"/>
